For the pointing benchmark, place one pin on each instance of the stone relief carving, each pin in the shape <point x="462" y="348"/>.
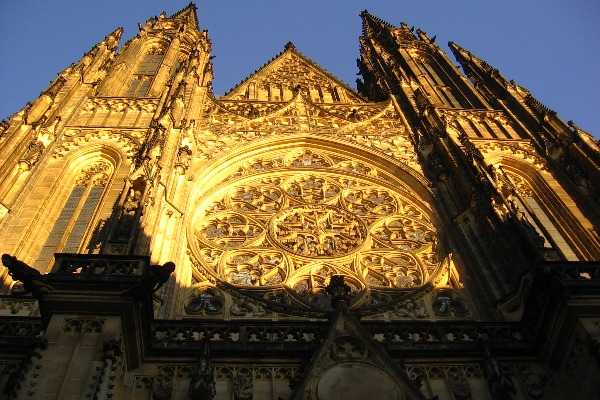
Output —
<point x="32" y="155"/>
<point x="247" y="308"/>
<point x="348" y="348"/>
<point x="96" y="174"/>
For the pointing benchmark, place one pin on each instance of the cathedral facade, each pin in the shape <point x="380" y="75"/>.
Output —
<point x="432" y="234"/>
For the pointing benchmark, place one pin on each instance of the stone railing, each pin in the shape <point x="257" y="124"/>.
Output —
<point x="99" y="264"/>
<point x="177" y="334"/>
<point x="20" y="327"/>
<point x="286" y="336"/>
<point x="575" y="273"/>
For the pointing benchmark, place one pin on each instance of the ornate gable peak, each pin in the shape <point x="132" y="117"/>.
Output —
<point x="279" y="78"/>
<point x="348" y="353"/>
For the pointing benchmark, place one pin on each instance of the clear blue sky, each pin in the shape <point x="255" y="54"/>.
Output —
<point x="549" y="47"/>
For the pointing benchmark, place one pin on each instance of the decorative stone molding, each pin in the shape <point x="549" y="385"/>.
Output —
<point x="522" y="150"/>
<point x="126" y="141"/>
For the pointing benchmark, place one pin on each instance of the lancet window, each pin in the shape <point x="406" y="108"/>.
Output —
<point x="525" y="202"/>
<point x="68" y="234"/>
<point x="443" y="91"/>
<point x="143" y="76"/>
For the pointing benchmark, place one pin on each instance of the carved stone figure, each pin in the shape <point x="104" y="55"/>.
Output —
<point x="32" y="155"/>
<point x="202" y="385"/>
<point x="501" y="387"/>
<point x="33" y="281"/>
<point x="337" y="286"/>
<point x="244" y="308"/>
<point x="128" y="214"/>
<point x="159" y="275"/>
<point x="184" y="157"/>
<point x="243" y="387"/>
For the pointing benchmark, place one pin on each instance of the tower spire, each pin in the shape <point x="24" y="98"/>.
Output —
<point x="187" y="13"/>
<point x="480" y="72"/>
<point x="562" y="142"/>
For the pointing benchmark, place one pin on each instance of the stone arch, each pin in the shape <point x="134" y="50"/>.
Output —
<point x="355" y="201"/>
<point x="396" y="169"/>
<point x="548" y="203"/>
<point x="87" y="174"/>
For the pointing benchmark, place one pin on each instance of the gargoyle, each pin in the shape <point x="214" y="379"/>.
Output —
<point x="159" y="275"/>
<point x="33" y="281"/>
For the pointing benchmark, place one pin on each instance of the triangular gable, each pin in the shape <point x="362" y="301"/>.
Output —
<point x="288" y="72"/>
<point x="350" y="365"/>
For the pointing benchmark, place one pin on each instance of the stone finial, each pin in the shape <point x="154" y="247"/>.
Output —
<point x="289" y="46"/>
<point x="338" y="290"/>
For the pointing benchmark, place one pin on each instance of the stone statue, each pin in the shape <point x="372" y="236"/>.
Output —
<point x="32" y="155"/>
<point x="243" y="387"/>
<point x="202" y="385"/>
<point x="499" y="383"/>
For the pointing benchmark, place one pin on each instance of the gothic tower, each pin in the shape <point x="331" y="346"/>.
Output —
<point x="429" y="235"/>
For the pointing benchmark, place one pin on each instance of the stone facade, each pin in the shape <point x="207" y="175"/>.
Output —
<point x="429" y="235"/>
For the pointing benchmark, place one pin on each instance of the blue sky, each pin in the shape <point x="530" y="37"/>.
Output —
<point x="549" y="47"/>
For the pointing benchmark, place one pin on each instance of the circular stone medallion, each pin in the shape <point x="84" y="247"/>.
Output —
<point x="320" y="231"/>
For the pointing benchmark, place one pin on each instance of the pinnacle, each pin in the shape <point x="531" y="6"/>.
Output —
<point x="289" y="46"/>
<point x="459" y="52"/>
<point x="117" y="33"/>
<point x="188" y="8"/>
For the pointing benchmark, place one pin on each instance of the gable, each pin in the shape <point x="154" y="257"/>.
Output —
<point x="349" y="365"/>
<point x="290" y="71"/>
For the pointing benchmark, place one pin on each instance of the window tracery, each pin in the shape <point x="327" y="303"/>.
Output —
<point x="289" y="228"/>
<point x="145" y="72"/>
<point x="205" y="301"/>
<point x="75" y="219"/>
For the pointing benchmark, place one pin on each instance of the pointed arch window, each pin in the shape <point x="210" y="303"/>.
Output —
<point x="530" y="207"/>
<point x="144" y="74"/>
<point x="75" y="220"/>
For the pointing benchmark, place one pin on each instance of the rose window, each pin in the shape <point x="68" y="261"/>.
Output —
<point x="289" y="224"/>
